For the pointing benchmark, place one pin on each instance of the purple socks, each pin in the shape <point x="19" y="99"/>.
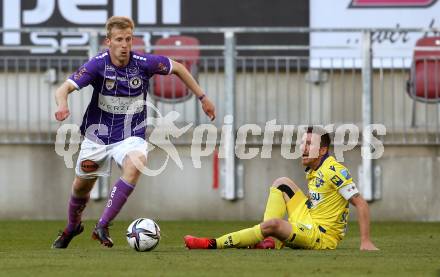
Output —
<point x="76" y="207"/>
<point x="117" y="198"/>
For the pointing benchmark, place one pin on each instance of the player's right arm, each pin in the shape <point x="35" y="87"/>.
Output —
<point x="84" y="76"/>
<point x="61" y="95"/>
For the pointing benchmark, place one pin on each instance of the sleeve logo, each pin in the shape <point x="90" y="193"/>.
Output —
<point x="345" y="173"/>
<point x="79" y="73"/>
<point x="162" y="68"/>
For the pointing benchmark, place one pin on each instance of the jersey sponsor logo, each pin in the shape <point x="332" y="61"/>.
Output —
<point x="336" y="180"/>
<point x="135" y="82"/>
<point x="345" y="173"/>
<point x="122" y="79"/>
<point x="391" y="3"/>
<point x="109" y="83"/>
<point x="315" y="198"/>
<point x="121" y="105"/>
<point x="79" y="73"/>
<point x="332" y="168"/>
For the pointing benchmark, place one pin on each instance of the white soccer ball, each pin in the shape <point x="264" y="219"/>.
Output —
<point x="143" y="234"/>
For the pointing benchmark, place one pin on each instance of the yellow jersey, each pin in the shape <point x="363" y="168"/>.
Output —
<point x="330" y="187"/>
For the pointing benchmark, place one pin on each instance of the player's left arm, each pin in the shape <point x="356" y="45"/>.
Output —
<point x="181" y="71"/>
<point x="363" y="214"/>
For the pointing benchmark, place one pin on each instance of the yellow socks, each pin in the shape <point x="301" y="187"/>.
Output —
<point x="242" y="238"/>
<point x="275" y="208"/>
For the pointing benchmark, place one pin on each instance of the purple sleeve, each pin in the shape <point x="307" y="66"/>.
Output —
<point x="85" y="74"/>
<point x="156" y="64"/>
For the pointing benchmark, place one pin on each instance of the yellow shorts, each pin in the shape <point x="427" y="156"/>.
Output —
<point x="306" y="233"/>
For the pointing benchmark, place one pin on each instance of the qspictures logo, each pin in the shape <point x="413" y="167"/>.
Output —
<point x="205" y="136"/>
<point x="391" y="3"/>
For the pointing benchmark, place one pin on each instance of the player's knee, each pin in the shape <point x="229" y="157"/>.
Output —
<point x="134" y="160"/>
<point x="132" y="166"/>
<point x="281" y="181"/>
<point x="285" y="185"/>
<point x="82" y="187"/>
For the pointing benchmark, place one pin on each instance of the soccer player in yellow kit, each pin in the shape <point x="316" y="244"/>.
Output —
<point x="318" y="221"/>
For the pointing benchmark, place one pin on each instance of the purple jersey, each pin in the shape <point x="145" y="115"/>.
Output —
<point x="116" y="94"/>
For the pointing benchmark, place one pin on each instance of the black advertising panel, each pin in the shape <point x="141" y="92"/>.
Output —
<point x="16" y="14"/>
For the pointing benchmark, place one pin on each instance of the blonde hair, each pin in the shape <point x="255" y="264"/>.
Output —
<point x="119" y="22"/>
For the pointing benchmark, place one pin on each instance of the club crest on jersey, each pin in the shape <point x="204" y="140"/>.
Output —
<point x="319" y="182"/>
<point x="135" y="82"/>
<point x="109" y="83"/>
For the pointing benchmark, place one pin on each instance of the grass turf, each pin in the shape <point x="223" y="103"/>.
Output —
<point x="407" y="249"/>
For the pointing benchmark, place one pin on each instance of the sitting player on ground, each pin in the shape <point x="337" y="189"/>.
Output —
<point x="113" y="123"/>
<point x="316" y="222"/>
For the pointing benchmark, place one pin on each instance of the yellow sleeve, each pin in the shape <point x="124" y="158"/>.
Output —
<point x="342" y="181"/>
<point x="339" y="176"/>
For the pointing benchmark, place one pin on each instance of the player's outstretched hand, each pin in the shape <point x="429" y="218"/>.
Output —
<point x="208" y="108"/>
<point x="368" y="246"/>
<point x="62" y="113"/>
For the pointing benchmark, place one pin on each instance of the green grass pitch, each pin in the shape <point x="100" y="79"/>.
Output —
<point x="407" y="249"/>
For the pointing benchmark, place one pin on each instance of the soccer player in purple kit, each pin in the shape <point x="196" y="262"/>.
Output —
<point x="120" y="79"/>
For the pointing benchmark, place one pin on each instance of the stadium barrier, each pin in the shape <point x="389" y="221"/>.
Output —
<point x="269" y="82"/>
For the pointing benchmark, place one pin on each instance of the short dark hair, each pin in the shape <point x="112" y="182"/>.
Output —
<point x="325" y="137"/>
